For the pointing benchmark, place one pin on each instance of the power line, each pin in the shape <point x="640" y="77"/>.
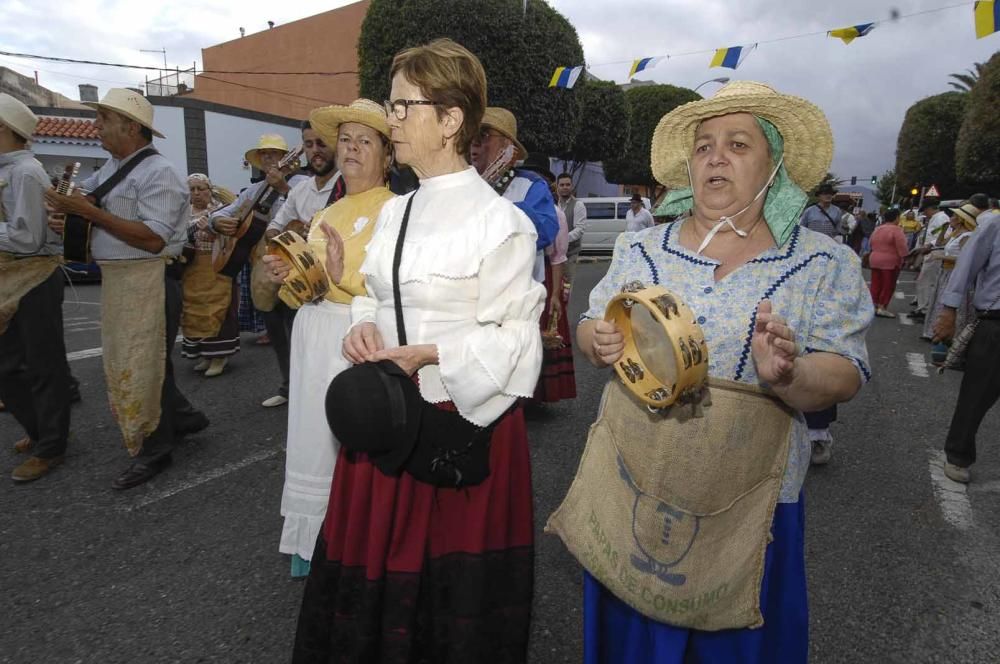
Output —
<point x="271" y="91"/>
<point x="32" y="56"/>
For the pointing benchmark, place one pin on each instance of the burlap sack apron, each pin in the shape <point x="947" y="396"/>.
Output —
<point x="672" y="512"/>
<point x="133" y="333"/>
<point x="207" y="296"/>
<point x="18" y="277"/>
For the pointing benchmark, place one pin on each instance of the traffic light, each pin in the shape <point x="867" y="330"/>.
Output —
<point x="854" y="180"/>
<point x="914" y="191"/>
<point x="874" y="180"/>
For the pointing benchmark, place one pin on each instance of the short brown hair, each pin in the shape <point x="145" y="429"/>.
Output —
<point x="448" y="74"/>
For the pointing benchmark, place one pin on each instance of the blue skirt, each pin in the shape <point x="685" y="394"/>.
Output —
<point x="615" y="633"/>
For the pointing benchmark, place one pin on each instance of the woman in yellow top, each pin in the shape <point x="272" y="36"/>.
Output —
<point x="338" y="236"/>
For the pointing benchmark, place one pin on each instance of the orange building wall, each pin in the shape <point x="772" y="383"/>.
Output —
<point x="325" y="42"/>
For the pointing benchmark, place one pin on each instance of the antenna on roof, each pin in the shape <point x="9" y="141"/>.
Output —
<point x="270" y="24"/>
<point x="242" y="32"/>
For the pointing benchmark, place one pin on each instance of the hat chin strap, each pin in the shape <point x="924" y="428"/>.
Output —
<point x="728" y="221"/>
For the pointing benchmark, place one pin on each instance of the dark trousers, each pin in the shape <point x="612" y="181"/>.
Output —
<point x="34" y="375"/>
<point x="278" y="322"/>
<point x="980" y="390"/>
<point x="821" y="419"/>
<point x="174" y="406"/>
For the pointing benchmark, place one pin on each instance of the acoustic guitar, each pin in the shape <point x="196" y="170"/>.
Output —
<point x="76" y="230"/>
<point x="231" y="252"/>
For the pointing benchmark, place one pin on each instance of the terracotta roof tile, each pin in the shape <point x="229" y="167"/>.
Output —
<point x="66" y="128"/>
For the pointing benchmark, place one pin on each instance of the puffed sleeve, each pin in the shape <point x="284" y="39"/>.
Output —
<point x="621" y="271"/>
<point x="842" y="312"/>
<point x="502" y="357"/>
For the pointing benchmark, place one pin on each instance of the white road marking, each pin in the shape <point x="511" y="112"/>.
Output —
<point x="198" y="480"/>
<point x="900" y="295"/>
<point x="953" y="497"/>
<point x="917" y="364"/>
<point x="904" y="319"/>
<point x="93" y="304"/>
<point x="87" y="328"/>
<point x="75" y="318"/>
<point x="95" y="352"/>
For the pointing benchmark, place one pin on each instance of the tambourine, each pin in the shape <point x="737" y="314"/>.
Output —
<point x="665" y="359"/>
<point x="307" y="281"/>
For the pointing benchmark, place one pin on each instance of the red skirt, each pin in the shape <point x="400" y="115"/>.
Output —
<point x="406" y="573"/>
<point x="558" y="378"/>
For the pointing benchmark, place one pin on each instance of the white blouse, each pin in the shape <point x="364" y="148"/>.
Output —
<point x="466" y="286"/>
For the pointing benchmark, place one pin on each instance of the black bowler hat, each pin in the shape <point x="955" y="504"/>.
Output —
<point x="636" y="198"/>
<point x="826" y="188"/>
<point x="376" y="408"/>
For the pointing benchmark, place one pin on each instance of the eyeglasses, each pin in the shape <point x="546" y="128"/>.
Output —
<point x="486" y="135"/>
<point x="400" y="107"/>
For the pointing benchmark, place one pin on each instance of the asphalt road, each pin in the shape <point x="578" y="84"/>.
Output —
<point x="902" y="567"/>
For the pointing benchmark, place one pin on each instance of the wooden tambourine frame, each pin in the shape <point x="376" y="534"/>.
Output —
<point x="307" y="282"/>
<point x="681" y="331"/>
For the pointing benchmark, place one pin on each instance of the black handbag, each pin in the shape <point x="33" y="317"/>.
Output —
<point x="376" y="408"/>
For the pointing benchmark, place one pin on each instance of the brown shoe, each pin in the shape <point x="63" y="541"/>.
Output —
<point x="23" y="445"/>
<point x="34" y="468"/>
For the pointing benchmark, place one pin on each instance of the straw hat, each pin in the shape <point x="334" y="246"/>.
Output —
<point x="327" y="120"/>
<point x="17" y="116"/>
<point x="266" y="142"/>
<point x="504" y="122"/>
<point x="967" y="215"/>
<point x="129" y="103"/>
<point x="803" y="126"/>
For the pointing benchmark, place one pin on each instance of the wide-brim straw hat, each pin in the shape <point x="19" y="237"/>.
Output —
<point x="266" y="142"/>
<point x="803" y="126"/>
<point x="129" y="103"/>
<point x="327" y="119"/>
<point x="504" y="122"/>
<point x="967" y="214"/>
<point x="18" y="117"/>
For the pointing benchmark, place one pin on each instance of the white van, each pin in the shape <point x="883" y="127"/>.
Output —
<point x="605" y="221"/>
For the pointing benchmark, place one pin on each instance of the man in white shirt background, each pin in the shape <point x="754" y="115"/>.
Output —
<point x="576" y="221"/>
<point x="638" y="217"/>
<point x="929" y="270"/>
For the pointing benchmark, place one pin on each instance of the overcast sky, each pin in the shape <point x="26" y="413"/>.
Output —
<point x="864" y="88"/>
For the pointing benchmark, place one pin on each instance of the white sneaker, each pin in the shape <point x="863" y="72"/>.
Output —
<point x="202" y="364"/>
<point x="957" y="473"/>
<point x="216" y="366"/>
<point x="822" y="452"/>
<point x="276" y="400"/>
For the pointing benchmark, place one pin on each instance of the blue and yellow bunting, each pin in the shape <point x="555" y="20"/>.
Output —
<point x="731" y="57"/>
<point x="850" y="34"/>
<point x="642" y="65"/>
<point x="987" y="18"/>
<point x="565" y="77"/>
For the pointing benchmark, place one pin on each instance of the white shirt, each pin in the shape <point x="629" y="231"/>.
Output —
<point x="638" y="221"/>
<point x="933" y="226"/>
<point x="466" y="286"/>
<point x="303" y="202"/>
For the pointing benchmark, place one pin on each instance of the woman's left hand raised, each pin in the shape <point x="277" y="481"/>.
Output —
<point x="409" y="358"/>
<point x="773" y="347"/>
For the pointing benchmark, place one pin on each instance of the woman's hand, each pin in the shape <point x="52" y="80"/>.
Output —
<point x="773" y="347"/>
<point x="409" y="358"/>
<point x="607" y="343"/>
<point x="334" y="253"/>
<point x="277" y="269"/>
<point x="362" y="342"/>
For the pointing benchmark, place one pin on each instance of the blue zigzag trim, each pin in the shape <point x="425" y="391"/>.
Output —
<point x="649" y="261"/>
<point x="865" y="371"/>
<point x="671" y="250"/>
<point x="792" y="243"/>
<point x="745" y="354"/>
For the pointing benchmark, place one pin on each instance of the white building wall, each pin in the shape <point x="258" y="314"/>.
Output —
<point x="228" y="138"/>
<point x="169" y="121"/>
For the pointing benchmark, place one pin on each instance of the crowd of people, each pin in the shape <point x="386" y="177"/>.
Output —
<point x="448" y="255"/>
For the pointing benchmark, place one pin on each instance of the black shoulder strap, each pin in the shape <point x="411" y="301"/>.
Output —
<point x="835" y="225"/>
<point x="336" y="193"/>
<point x="400" y="325"/>
<point x="105" y="187"/>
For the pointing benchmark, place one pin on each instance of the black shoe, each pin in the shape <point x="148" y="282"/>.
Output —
<point x="190" y="424"/>
<point x="74" y="390"/>
<point x="140" y="473"/>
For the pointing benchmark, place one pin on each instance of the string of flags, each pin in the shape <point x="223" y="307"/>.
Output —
<point x="987" y="22"/>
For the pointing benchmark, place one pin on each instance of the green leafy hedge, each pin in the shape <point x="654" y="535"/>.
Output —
<point x="977" y="159"/>
<point x="925" y="148"/>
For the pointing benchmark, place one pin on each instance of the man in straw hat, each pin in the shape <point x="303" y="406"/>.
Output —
<point x="265" y="157"/>
<point x="138" y="206"/>
<point x="34" y="376"/>
<point x="784" y="312"/>
<point x="494" y="153"/>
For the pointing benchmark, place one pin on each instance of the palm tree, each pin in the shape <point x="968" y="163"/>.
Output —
<point x="968" y="80"/>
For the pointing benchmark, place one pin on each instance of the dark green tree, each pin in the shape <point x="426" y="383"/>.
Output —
<point x="885" y="186"/>
<point x="646" y="105"/>
<point x="519" y="51"/>
<point x="966" y="81"/>
<point x="977" y="158"/>
<point x="925" y="148"/>
<point x="604" y="124"/>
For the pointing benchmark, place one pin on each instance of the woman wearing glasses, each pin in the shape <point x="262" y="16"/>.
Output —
<point x="404" y="571"/>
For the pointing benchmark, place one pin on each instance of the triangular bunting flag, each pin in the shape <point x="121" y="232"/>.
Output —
<point x="850" y="34"/>
<point x="642" y="65"/>
<point x="987" y="18"/>
<point x="565" y="77"/>
<point x="731" y="57"/>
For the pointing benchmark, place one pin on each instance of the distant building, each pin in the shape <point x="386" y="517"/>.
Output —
<point x="31" y="93"/>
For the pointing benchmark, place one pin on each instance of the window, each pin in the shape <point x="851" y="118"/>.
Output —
<point x="601" y="210"/>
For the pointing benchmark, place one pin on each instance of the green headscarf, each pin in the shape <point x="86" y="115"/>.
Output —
<point x="784" y="202"/>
